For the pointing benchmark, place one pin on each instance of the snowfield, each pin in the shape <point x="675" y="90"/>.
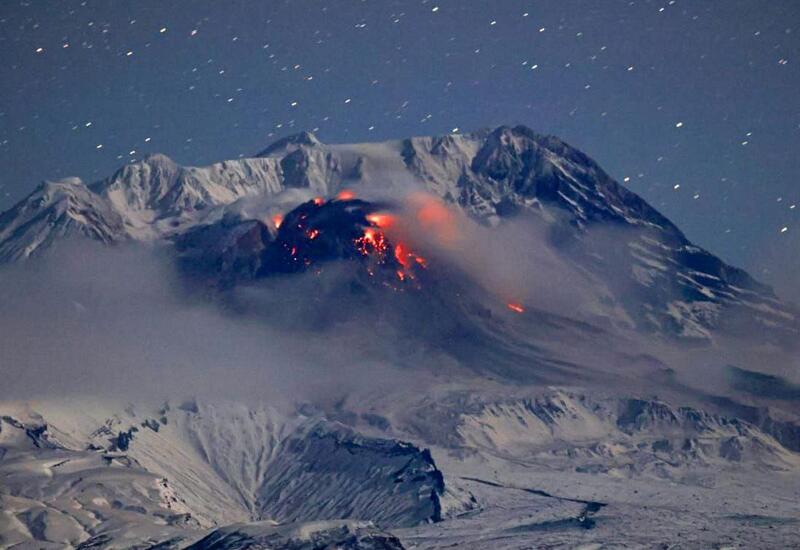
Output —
<point x="557" y="469"/>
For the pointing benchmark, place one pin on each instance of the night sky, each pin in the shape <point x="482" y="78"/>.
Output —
<point x="695" y="105"/>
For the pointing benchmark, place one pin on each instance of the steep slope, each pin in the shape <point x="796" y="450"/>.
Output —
<point x="663" y="282"/>
<point x="351" y="535"/>
<point x="56" y="211"/>
<point x="523" y="468"/>
<point x="226" y="462"/>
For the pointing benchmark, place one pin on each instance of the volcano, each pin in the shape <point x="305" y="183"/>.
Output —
<point x="662" y="281"/>
<point x="468" y="339"/>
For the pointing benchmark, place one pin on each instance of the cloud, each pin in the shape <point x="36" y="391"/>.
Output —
<point x="120" y="322"/>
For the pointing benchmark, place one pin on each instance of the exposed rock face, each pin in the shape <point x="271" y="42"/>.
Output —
<point x="320" y="465"/>
<point x="350" y="536"/>
<point x="92" y="487"/>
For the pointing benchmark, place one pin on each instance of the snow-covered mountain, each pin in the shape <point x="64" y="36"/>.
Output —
<point x="486" y="340"/>
<point x="663" y="282"/>
<point x="53" y="211"/>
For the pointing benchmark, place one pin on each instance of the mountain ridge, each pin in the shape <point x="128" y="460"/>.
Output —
<point x="490" y="175"/>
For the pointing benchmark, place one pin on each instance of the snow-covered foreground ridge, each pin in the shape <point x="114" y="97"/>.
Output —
<point x="76" y="476"/>
<point x="105" y="477"/>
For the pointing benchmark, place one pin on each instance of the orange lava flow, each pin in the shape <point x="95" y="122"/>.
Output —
<point x="401" y="255"/>
<point x="313" y="234"/>
<point x="375" y="245"/>
<point x="513" y="306"/>
<point x="407" y="260"/>
<point x="319" y="201"/>
<point x="405" y="257"/>
<point x="346" y="195"/>
<point x="277" y="219"/>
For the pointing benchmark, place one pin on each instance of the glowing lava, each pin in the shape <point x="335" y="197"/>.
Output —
<point x="375" y="245"/>
<point x="277" y="219"/>
<point x="407" y="260"/>
<point x="372" y="243"/>
<point x="402" y="255"/>
<point x="319" y="201"/>
<point x="513" y="306"/>
<point x="405" y="257"/>
<point x="381" y="220"/>
<point x="346" y="195"/>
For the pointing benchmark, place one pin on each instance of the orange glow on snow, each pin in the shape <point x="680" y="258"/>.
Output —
<point x="513" y="306"/>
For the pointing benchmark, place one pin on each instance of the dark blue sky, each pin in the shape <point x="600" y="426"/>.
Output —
<point x="702" y="95"/>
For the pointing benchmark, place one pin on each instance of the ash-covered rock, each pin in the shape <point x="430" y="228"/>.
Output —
<point x="314" y="536"/>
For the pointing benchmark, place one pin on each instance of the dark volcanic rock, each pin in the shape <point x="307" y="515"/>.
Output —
<point x="267" y="536"/>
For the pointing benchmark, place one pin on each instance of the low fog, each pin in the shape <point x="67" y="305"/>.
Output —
<point x="118" y="322"/>
<point x="121" y="322"/>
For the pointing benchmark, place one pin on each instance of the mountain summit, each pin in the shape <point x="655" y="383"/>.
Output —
<point x="650" y="269"/>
